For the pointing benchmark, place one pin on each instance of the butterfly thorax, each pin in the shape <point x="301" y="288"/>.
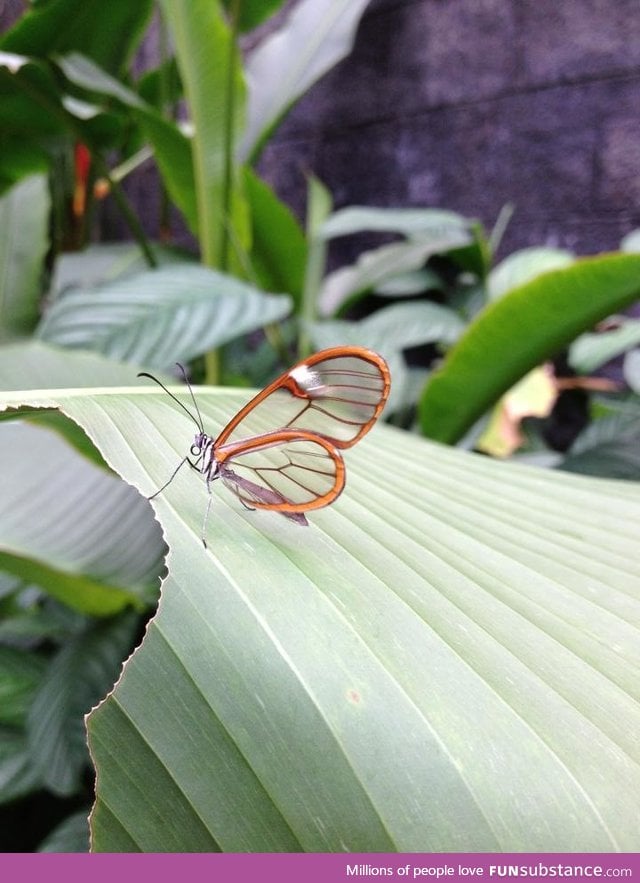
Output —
<point x="204" y="451"/>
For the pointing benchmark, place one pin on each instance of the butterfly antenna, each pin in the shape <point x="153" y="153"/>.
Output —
<point x="175" y="399"/>
<point x="193" y="398"/>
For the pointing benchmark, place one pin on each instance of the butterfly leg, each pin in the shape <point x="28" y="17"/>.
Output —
<point x="206" y="516"/>
<point x="173" y="475"/>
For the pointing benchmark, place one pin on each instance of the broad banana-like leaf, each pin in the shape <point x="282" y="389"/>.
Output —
<point x="445" y="660"/>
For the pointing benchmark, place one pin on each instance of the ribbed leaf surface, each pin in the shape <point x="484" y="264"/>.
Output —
<point x="156" y="317"/>
<point x="446" y="660"/>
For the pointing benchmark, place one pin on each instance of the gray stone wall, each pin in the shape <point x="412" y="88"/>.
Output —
<point x="471" y="104"/>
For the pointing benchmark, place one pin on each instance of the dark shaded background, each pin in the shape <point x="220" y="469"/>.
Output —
<point x="468" y="105"/>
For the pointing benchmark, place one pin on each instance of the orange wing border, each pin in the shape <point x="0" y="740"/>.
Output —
<point x="226" y="454"/>
<point x="287" y="381"/>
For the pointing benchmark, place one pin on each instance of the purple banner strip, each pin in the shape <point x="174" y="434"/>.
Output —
<point x="316" y="868"/>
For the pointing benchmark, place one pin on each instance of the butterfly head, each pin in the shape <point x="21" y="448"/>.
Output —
<point x="203" y="450"/>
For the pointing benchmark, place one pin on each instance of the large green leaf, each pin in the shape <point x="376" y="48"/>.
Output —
<point x="24" y="221"/>
<point x="446" y="660"/>
<point x="105" y="262"/>
<point x="316" y="35"/>
<point x="155" y="317"/>
<point x="107" y="33"/>
<point x="519" y="331"/>
<point x="31" y="109"/>
<point x="38" y="365"/>
<point x="69" y="527"/>
<point x="278" y="247"/>
<point x="211" y="74"/>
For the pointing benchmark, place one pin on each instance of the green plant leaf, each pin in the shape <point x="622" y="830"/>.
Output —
<point x="414" y="223"/>
<point x="106" y="262"/>
<point x="31" y="108"/>
<point x="397" y="327"/>
<point x="19" y="159"/>
<point x="523" y="266"/>
<point x="77" y="676"/>
<point x="172" y="150"/>
<point x="631" y="369"/>
<point x="212" y="77"/>
<point x="519" y="331"/>
<point x="407" y="284"/>
<point x="38" y="365"/>
<point x="20" y="674"/>
<point x="161" y="85"/>
<point x="71" y="835"/>
<point x="254" y="12"/>
<point x="29" y="626"/>
<point x="371" y="682"/>
<point x="590" y="351"/>
<point x="24" y="220"/>
<point x="316" y="35"/>
<point x="18" y="776"/>
<point x="610" y="444"/>
<point x="493" y="647"/>
<point x="619" y="458"/>
<point x="107" y="33"/>
<point x="93" y="544"/>
<point x="379" y="265"/>
<point x="278" y="248"/>
<point x="159" y="316"/>
<point x="319" y="205"/>
<point x="86" y="73"/>
<point x="198" y="170"/>
<point x="631" y="242"/>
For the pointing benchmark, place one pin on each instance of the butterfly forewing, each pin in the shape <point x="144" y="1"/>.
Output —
<point x="337" y="394"/>
<point x="288" y="471"/>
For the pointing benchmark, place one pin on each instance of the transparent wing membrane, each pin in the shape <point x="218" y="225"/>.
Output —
<point x="337" y="394"/>
<point x="287" y="471"/>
